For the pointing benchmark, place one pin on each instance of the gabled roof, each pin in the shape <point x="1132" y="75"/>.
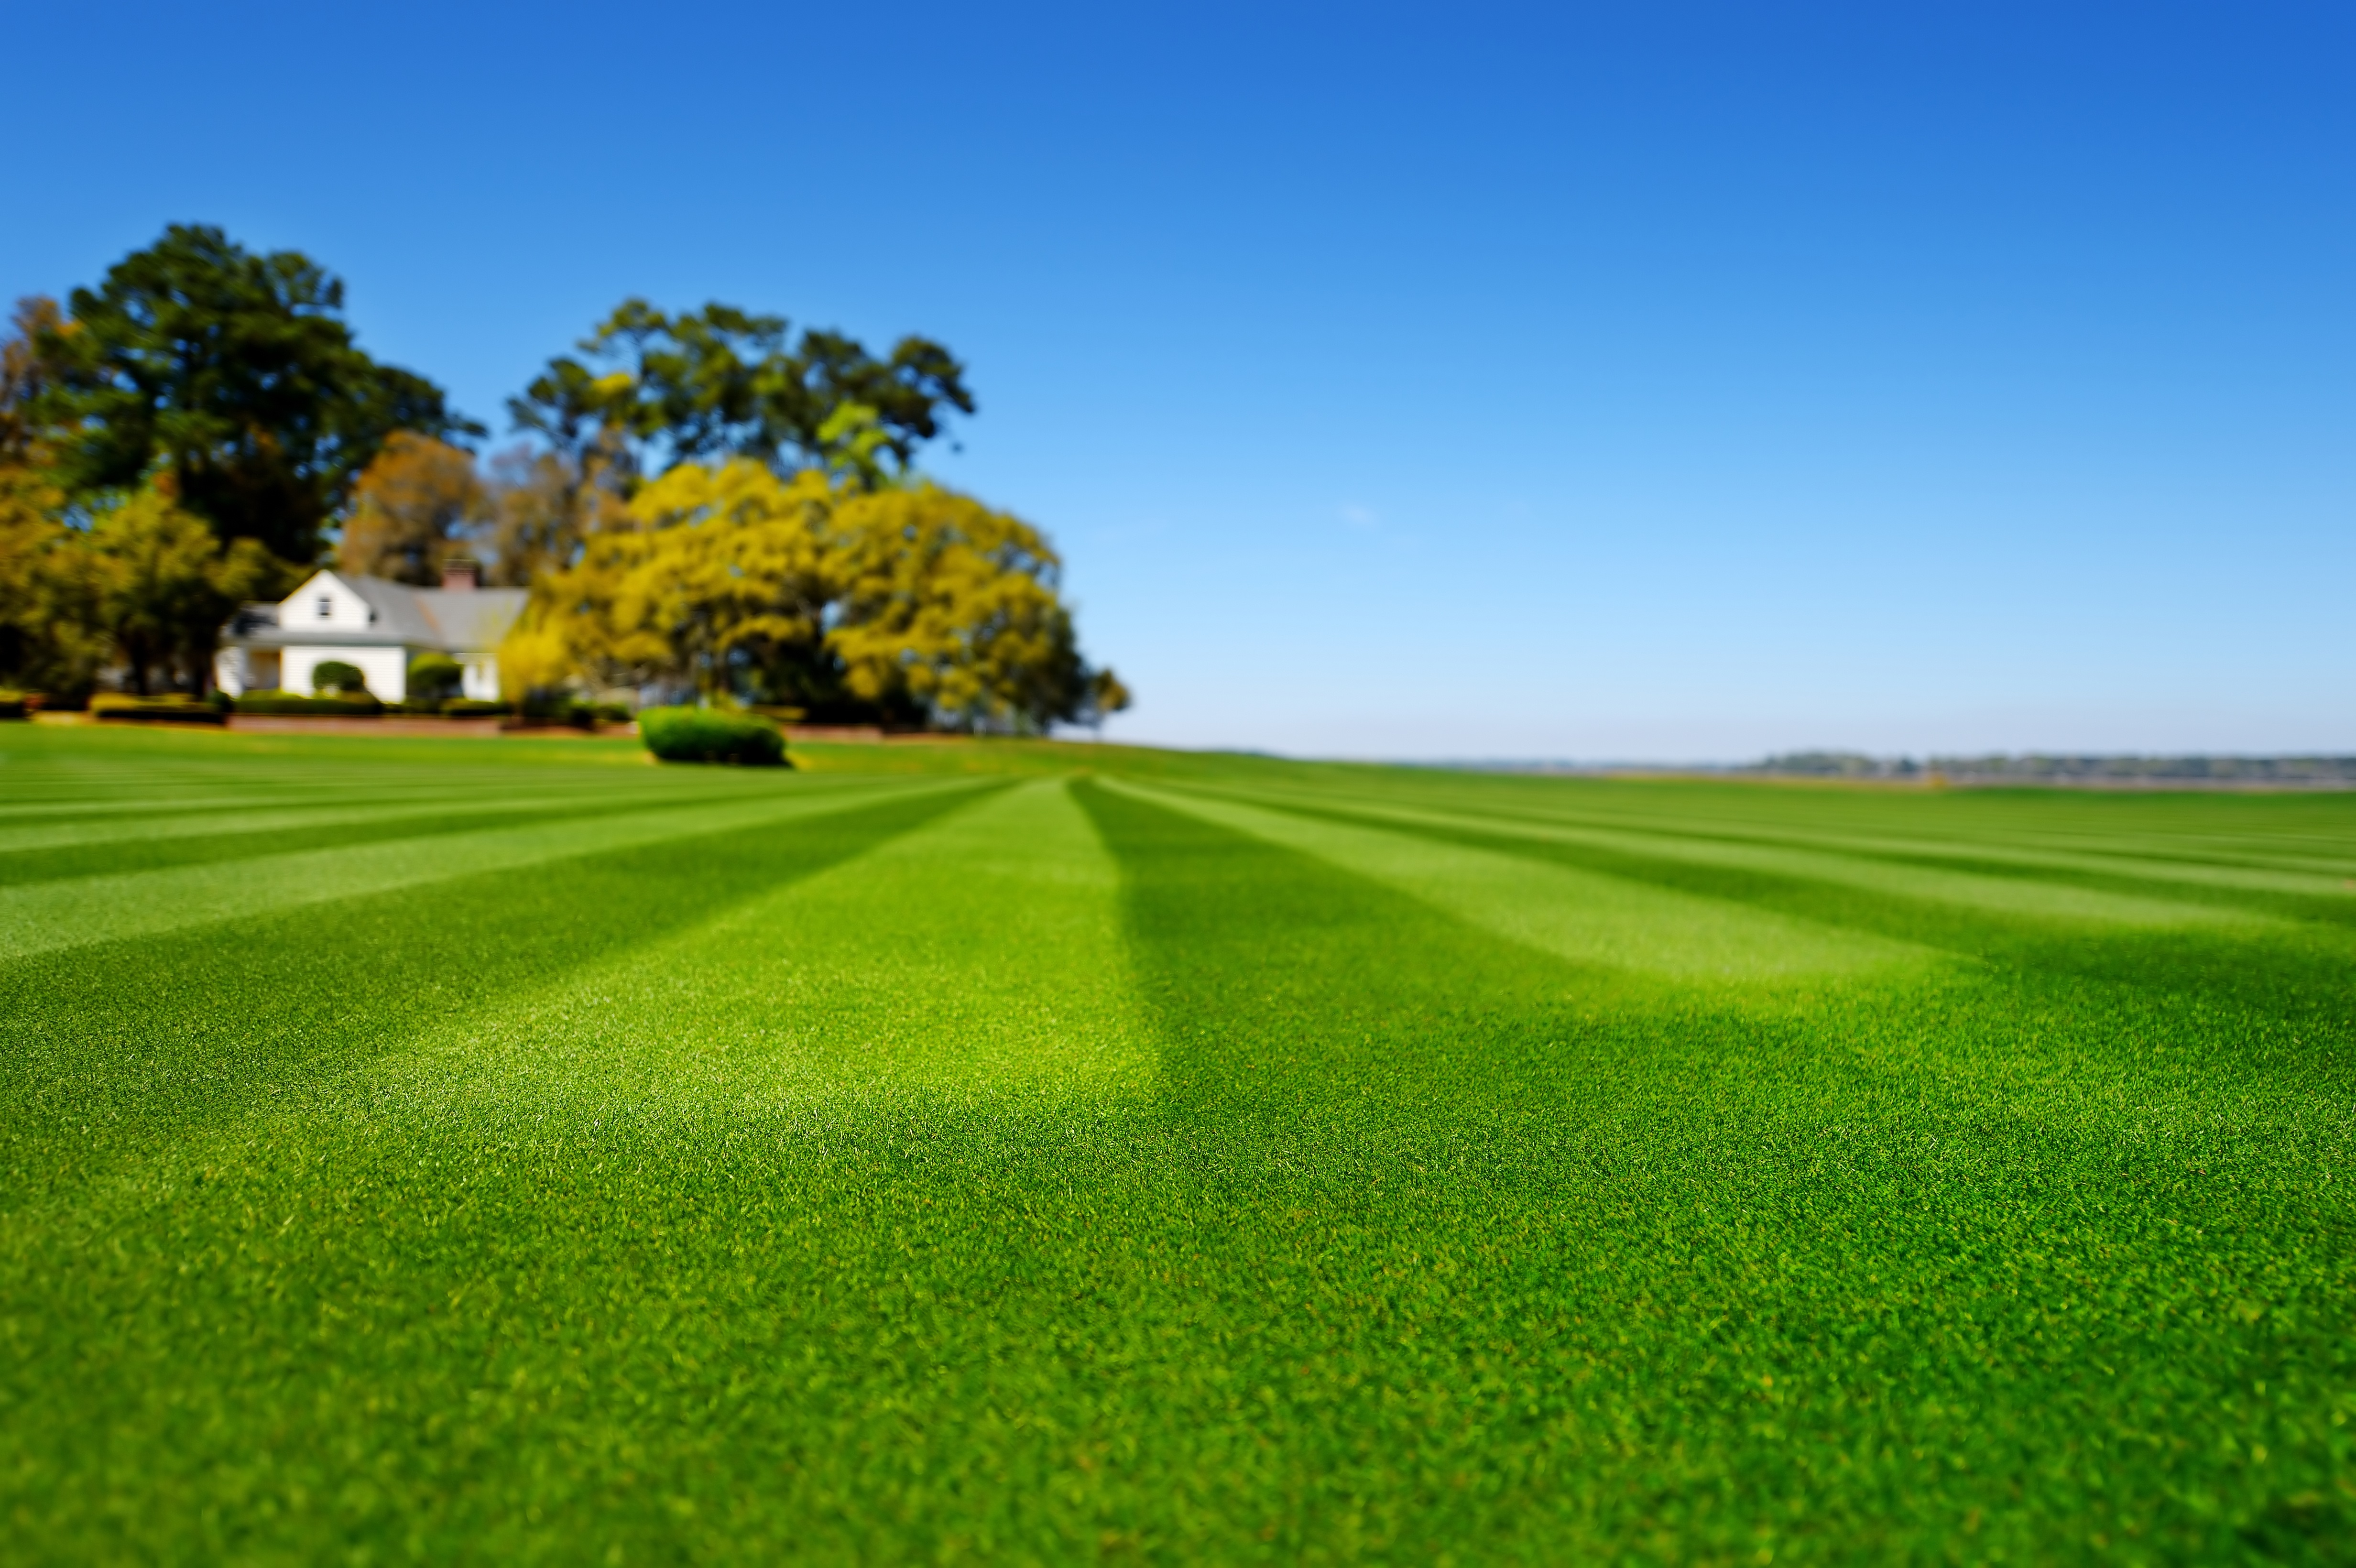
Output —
<point x="394" y="610"/>
<point x="452" y="620"/>
<point x="469" y="617"/>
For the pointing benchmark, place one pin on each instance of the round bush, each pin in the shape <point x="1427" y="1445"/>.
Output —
<point x="335" y="676"/>
<point x="436" y="675"/>
<point x="702" y="735"/>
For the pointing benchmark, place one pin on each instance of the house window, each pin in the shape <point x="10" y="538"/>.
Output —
<point x="327" y="607"/>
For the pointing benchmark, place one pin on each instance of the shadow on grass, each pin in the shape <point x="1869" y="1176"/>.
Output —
<point x="107" y="1047"/>
<point x="2291" y="986"/>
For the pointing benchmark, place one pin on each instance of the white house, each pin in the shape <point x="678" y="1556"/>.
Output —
<point x="373" y="624"/>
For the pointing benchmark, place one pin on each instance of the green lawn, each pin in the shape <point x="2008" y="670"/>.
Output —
<point x="510" y="1151"/>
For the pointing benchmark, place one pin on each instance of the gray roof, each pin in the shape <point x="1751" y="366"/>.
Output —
<point x="454" y="619"/>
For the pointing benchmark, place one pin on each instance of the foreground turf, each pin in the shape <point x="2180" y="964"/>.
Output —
<point x="507" y="1151"/>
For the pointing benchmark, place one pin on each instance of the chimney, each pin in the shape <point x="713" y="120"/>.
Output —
<point x="458" y="573"/>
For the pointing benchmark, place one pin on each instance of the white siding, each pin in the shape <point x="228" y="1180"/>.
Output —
<point x="481" y="679"/>
<point x="386" y="671"/>
<point x="324" y="604"/>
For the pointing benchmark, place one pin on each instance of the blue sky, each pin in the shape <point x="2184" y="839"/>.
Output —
<point x="1641" y="382"/>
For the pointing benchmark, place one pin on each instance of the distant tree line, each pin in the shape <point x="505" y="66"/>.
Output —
<point x="2044" y="768"/>
<point x="701" y="500"/>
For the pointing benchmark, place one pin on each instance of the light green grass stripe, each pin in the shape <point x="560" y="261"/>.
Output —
<point x="2163" y="851"/>
<point x="2002" y="895"/>
<point x="1585" y="916"/>
<point x="43" y="917"/>
<point x="144" y="801"/>
<point x="980" y="955"/>
<point x="454" y="802"/>
<point x="2156" y="853"/>
<point x="2128" y="859"/>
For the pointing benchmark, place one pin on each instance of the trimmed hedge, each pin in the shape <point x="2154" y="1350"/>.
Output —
<point x="435" y="677"/>
<point x="334" y="675"/>
<point x="475" y="708"/>
<point x="12" y="705"/>
<point x="706" y="735"/>
<point x="154" y="709"/>
<point x="285" y="702"/>
<point x="559" y="708"/>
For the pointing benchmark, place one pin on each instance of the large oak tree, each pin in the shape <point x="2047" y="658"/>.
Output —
<point x="234" y="372"/>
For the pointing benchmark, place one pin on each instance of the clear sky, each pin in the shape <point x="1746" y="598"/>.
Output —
<point x="1638" y="381"/>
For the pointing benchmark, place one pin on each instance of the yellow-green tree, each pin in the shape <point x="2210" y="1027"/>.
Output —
<point x="161" y="585"/>
<point x="952" y="605"/>
<point x="704" y="574"/>
<point x="49" y="639"/>
<point x="907" y="602"/>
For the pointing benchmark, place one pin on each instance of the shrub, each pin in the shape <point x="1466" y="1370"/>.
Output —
<point x="475" y="708"/>
<point x="560" y="708"/>
<point x="335" y="676"/>
<point x="12" y="705"/>
<point x="154" y="709"/>
<point x="286" y="702"/>
<point x="436" y="675"/>
<point x="702" y="735"/>
<point x="614" y="712"/>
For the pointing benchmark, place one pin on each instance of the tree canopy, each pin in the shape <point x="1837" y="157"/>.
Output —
<point x="421" y="502"/>
<point x="235" y="372"/>
<point x="658" y="389"/>
<point x="705" y="500"/>
<point x="912" y="604"/>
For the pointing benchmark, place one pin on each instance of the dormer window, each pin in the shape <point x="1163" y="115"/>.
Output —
<point x="327" y="607"/>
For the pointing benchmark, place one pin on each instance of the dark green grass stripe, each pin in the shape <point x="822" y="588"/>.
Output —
<point x="2308" y="976"/>
<point x="41" y="917"/>
<point x="1874" y="1270"/>
<point x="2124" y="864"/>
<point x="2107" y="823"/>
<point x="154" y="853"/>
<point x="94" y="811"/>
<point x="2335" y="908"/>
<point x="113" y="1050"/>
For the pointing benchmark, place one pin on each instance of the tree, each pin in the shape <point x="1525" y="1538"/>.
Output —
<point x="25" y="375"/>
<point x="237" y="374"/>
<point x="419" y="502"/>
<point x="955" y="606"/>
<point x="711" y="573"/>
<point x="706" y="386"/>
<point x="910" y="604"/>
<point x="544" y="508"/>
<point x="163" y="585"/>
<point x="49" y="636"/>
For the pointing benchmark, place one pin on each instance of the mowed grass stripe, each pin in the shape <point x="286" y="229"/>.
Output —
<point x="1586" y="916"/>
<point x="2003" y="895"/>
<point x="179" y="841"/>
<point x="2103" y="825"/>
<point x="980" y="956"/>
<point x="131" y="1055"/>
<point x="199" y="819"/>
<point x="47" y="916"/>
<point x="2119" y="857"/>
<point x="100" y="811"/>
<point x="764" y="1197"/>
